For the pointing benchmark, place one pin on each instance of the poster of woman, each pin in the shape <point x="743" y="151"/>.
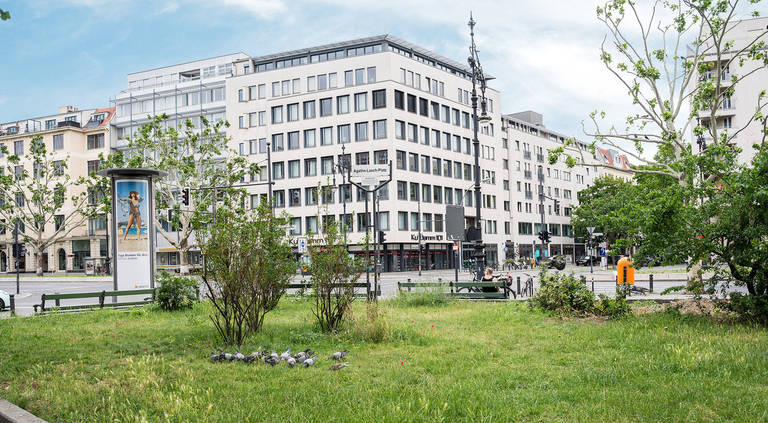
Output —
<point x="132" y="215"/>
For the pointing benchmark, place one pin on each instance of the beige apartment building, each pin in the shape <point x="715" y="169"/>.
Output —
<point x="82" y="135"/>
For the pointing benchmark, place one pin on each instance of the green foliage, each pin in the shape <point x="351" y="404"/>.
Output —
<point x="372" y="327"/>
<point x="334" y="273"/>
<point x="428" y="297"/>
<point x="563" y="294"/>
<point x="176" y="292"/>
<point x="249" y="262"/>
<point x="749" y="308"/>
<point x="5" y="15"/>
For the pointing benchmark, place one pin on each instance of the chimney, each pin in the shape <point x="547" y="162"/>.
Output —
<point x="67" y="109"/>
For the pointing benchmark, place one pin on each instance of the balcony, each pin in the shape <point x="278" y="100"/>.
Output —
<point x="527" y="174"/>
<point x="529" y="195"/>
<point x="527" y="155"/>
<point x="68" y="124"/>
<point x="540" y="158"/>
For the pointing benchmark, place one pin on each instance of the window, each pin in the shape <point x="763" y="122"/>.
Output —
<point x="342" y="104"/>
<point x="326" y="136"/>
<point x="435" y="110"/>
<point x="361" y="102"/>
<point x="278" y="170"/>
<point x="278" y="198"/>
<point x="348" y="79"/>
<point x="277" y="114"/>
<point x="448" y="195"/>
<point x="447" y="168"/>
<point x="310" y="196"/>
<point x="371" y="75"/>
<point x="262" y="91"/>
<point x="359" y="76"/>
<point x="293" y="112"/>
<point x="424" y="135"/>
<point x="427" y="221"/>
<point x="295" y="226"/>
<point x="277" y="142"/>
<point x="436" y="166"/>
<point x="18" y="172"/>
<point x="426" y="193"/>
<point x="343" y="134"/>
<point x="92" y="166"/>
<point x="411" y="103"/>
<point x="361" y="131"/>
<point x="253" y="119"/>
<point x="399" y="100"/>
<point x="400" y="159"/>
<point x="58" y="142"/>
<point x="326" y="107"/>
<point x="413" y="193"/>
<point x="253" y="146"/>
<point x="275" y="89"/>
<point x="309" y="138"/>
<point x="437" y="194"/>
<point x="326" y="165"/>
<point x="262" y="145"/>
<point x="456" y="117"/>
<point x="312" y="224"/>
<point x="413" y="135"/>
<point x="423" y="107"/>
<point x="240" y="95"/>
<point x="311" y="85"/>
<point x="310" y="167"/>
<point x="362" y="158"/>
<point x="294" y="197"/>
<point x="345" y="193"/>
<point x="400" y="129"/>
<point x="293" y="140"/>
<point x="402" y="221"/>
<point x="379" y="99"/>
<point x="309" y="109"/>
<point x="322" y="82"/>
<point x="413" y="162"/>
<point x="379" y="129"/>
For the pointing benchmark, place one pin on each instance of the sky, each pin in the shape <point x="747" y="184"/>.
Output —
<point x="543" y="53"/>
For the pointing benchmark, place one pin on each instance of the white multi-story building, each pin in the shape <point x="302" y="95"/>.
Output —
<point x="370" y="101"/>
<point x="738" y="111"/>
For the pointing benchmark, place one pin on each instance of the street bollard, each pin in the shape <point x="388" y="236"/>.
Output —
<point x="593" y="286"/>
<point x="57" y="300"/>
<point x="409" y="284"/>
<point x="650" y="282"/>
<point x="518" y="285"/>
<point x="13" y="305"/>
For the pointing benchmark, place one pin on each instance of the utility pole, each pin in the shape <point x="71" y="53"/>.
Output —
<point x="541" y="209"/>
<point x="17" y="249"/>
<point x="591" y="230"/>
<point x="269" y="176"/>
<point x="418" y="222"/>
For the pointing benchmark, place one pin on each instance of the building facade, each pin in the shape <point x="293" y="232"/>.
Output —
<point x="81" y="135"/>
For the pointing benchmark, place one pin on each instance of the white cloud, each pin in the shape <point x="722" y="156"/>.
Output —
<point x="170" y="7"/>
<point x="264" y="9"/>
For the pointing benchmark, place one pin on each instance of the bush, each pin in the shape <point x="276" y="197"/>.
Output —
<point x="176" y="292"/>
<point x="611" y="307"/>
<point x="563" y="294"/>
<point x="750" y="308"/>
<point x="372" y="328"/>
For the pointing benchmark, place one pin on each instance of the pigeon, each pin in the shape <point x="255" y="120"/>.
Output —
<point x="229" y="357"/>
<point x="272" y="361"/>
<point x="302" y="358"/>
<point x="274" y="355"/>
<point x="239" y="356"/>
<point x="286" y="354"/>
<point x="251" y="357"/>
<point x="309" y="352"/>
<point x="310" y="361"/>
<point x="299" y="355"/>
<point x="290" y="361"/>
<point x="215" y="357"/>
<point x="339" y="355"/>
<point x="338" y="366"/>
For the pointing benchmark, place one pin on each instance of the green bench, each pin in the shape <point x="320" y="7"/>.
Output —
<point x="56" y="298"/>
<point x="306" y="286"/>
<point x="455" y="286"/>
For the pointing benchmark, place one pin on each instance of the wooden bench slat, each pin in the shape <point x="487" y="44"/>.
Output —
<point x="470" y="295"/>
<point x="72" y="296"/>
<point x="478" y="284"/>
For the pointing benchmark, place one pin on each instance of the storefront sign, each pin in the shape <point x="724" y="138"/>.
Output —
<point x="415" y="237"/>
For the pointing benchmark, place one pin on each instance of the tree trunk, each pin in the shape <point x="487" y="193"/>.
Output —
<point x="694" y="276"/>
<point x="183" y="262"/>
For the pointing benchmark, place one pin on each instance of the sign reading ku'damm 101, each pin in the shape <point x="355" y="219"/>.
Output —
<point x="132" y="227"/>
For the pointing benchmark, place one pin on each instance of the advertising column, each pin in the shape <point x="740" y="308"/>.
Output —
<point x="132" y="201"/>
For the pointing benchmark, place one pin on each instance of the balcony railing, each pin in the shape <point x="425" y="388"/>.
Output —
<point x="527" y="155"/>
<point x="540" y="158"/>
<point x="527" y="174"/>
<point x="529" y="195"/>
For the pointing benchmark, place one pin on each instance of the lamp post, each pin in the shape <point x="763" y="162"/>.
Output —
<point x="590" y="230"/>
<point x="342" y="166"/>
<point x="478" y="77"/>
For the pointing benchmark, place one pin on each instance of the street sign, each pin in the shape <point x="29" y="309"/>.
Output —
<point x="302" y="245"/>
<point x="602" y="251"/>
<point x="370" y="174"/>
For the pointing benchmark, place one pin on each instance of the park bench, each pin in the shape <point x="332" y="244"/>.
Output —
<point x="473" y="289"/>
<point x="102" y="295"/>
<point x="307" y="286"/>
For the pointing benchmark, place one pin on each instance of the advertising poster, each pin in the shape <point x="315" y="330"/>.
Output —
<point x="132" y="219"/>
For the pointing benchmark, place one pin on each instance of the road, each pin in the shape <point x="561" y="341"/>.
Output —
<point x="33" y="287"/>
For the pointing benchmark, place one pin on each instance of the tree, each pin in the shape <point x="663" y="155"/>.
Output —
<point x="38" y="200"/>
<point x="334" y="274"/>
<point x="249" y="263"/>
<point x="4" y="15"/>
<point x="677" y="70"/>
<point x="196" y="159"/>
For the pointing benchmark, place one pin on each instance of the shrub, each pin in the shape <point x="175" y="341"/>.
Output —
<point x="563" y="294"/>
<point x="371" y="328"/>
<point x="249" y="263"/>
<point x="176" y="292"/>
<point x="750" y="308"/>
<point x="611" y="307"/>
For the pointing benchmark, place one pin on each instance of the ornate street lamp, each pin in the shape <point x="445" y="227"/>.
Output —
<point x="478" y="77"/>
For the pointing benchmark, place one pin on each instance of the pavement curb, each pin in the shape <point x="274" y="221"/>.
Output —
<point x="10" y="413"/>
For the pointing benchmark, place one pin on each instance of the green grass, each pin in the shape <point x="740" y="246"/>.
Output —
<point x="482" y="362"/>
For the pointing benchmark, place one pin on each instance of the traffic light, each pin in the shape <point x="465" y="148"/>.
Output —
<point x="557" y="208"/>
<point x="185" y="196"/>
<point x="544" y="236"/>
<point x="18" y="250"/>
<point x="382" y="237"/>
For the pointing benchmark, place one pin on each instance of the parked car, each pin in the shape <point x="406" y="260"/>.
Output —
<point x="556" y="262"/>
<point x="5" y="300"/>
<point x="585" y="260"/>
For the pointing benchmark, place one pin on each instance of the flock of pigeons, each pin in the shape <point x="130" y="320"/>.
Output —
<point x="305" y="358"/>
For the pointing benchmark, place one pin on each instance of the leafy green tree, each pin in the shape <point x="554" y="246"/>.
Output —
<point x="4" y="15"/>
<point x="195" y="158"/>
<point x="39" y="194"/>
<point x="679" y="65"/>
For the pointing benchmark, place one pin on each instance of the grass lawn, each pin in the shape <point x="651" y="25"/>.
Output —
<point x="481" y="362"/>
